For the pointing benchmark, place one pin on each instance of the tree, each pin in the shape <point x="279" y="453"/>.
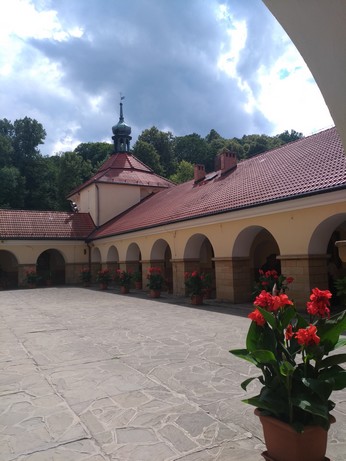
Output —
<point x="163" y="143"/>
<point x="287" y="136"/>
<point x="185" y="172"/>
<point x="27" y="135"/>
<point x="191" y="148"/>
<point x="95" y="152"/>
<point x="147" y="154"/>
<point x="73" y="171"/>
<point x="12" y="190"/>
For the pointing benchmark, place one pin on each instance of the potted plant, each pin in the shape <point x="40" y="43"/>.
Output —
<point x="297" y="373"/>
<point x="270" y="278"/>
<point x="208" y="285"/>
<point x="125" y="279"/>
<point x="103" y="278"/>
<point x="137" y="277"/>
<point x="85" y="276"/>
<point x="31" y="278"/>
<point x="195" y="285"/>
<point x="155" y="281"/>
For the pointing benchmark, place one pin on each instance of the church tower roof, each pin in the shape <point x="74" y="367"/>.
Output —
<point x="122" y="133"/>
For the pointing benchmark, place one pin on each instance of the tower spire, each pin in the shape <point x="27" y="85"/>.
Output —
<point x="121" y="132"/>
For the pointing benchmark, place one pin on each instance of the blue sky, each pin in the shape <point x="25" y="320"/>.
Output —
<point x="183" y="66"/>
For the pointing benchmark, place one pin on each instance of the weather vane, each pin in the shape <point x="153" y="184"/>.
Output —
<point x="121" y="96"/>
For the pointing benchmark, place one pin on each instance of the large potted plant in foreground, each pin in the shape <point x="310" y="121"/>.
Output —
<point x="298" y="374"/>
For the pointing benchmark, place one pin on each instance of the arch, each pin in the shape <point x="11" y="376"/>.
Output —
<point x="133" y="258"/>
<point x="320" y="237"/>
<point x="199" y="255"/>
<point x="322" y="243"/>
<point x="51" y="267"/>
<point x="112" y="254"/>
<point x="8" y="270"/>
<point x="161" y="256"/>
<point x="254" y="248"/>
<point x="113" y="259"/>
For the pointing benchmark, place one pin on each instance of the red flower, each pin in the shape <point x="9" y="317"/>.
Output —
<point x="264" y="283"/>
<point x="257" y="317"/>
<point x="289" y="279"/>
<point x="194" y="274"/>
<point x="272" y="303"/>
<point x="307" y="336"/>
<point x="280" y="301"/>
<point x="263" y="300"/>
<point x="289" y="332"/>
<point x="319" y="303"/>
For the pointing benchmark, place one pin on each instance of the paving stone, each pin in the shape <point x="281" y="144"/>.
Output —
<point x="93" y="376"/>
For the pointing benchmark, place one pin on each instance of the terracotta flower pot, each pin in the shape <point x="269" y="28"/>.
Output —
<point x="285" y="444"/>
<point x="138" y="285"/>
<point x="124" y="290"/>
<point x="197" y="300"/>
<point x="103" y="286"/>
<point x="155" y="293"/>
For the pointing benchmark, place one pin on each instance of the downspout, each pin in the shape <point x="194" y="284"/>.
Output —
<point x="97" y="206"/>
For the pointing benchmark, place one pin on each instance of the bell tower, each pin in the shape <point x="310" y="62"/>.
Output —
<point x="121" y="133"/>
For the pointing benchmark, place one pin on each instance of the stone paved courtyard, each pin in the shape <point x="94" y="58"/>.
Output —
<point x="89" y="376"/>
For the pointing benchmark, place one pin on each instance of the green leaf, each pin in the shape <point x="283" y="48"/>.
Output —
<point x="260" y="338"/>
<point x="286" y="368"/>
<point x="323" y="388"/>
<point x="264" y="357"/>
<point x="243" y="354"/>
<point x="332" y="360"/>
<point x="311" y="406"/>
<point x="245" y="383"/>
<point x="269" y="317"/>
<point x="330" y="331"/>
<point x="340" y="343"/>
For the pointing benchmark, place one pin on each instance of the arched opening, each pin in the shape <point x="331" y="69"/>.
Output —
<point x="161" y="256"/>
<point x="51" y="268"/>
<point x="322" y="246"/>
<point x="199" y="255"/>
<point x="113" y="259"/>
<point x="255" y="248"/>
<point x="134" y="259"/>
<point x="8" y="270"/>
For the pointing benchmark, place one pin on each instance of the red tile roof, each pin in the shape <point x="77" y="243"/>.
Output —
<point x="124" y="168"/>
<point x="21" y="224"/>
<point x="308" y="166"/>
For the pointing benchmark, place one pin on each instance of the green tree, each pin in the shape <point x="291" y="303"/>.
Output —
<point x="185" y="172"/>
<point x="287" y="136"/>
<point x="73" y="171"/>
<point x="163" y="143"/>
<point x="191" y="148"/>
<point x="27" y="135"/>
<point x="95" y="152"/>
<point x="147" y="154"/>
<point x="12" y="190"/>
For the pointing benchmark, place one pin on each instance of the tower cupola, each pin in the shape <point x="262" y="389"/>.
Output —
<point x="121" y="133"/>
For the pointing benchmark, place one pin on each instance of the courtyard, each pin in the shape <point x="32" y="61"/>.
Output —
<point x="90" y="375"/>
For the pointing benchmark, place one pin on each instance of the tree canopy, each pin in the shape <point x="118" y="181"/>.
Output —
<point x="32" y="181"/>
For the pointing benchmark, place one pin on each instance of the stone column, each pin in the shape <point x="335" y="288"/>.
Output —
<point x="224" y="279"/>
<point x="243" y="280"/>
<point x="178" y="268"/>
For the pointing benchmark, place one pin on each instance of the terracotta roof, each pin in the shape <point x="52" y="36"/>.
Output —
<point x="21" y="224"/>
<point x="124" y="168"/>
<point x="308" y="166"/>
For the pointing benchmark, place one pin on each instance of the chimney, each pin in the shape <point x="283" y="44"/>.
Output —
<point x="199" y="172"/>
<point x="228" y="161"/>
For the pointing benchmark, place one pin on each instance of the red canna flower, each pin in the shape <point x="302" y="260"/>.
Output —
<point x="319" y="303"/>
<point x="257" y="317"/>
<point x="289" y="332"/>
<point x="307" y="336"/>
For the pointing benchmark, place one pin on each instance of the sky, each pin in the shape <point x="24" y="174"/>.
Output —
<point x="185" y="66"/>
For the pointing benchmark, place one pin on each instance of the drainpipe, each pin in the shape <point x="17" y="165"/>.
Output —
<point x="97" y="205"/>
